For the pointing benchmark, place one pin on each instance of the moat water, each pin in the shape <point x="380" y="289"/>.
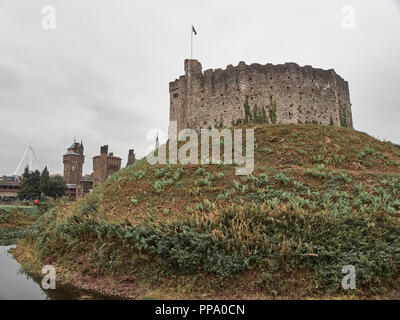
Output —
<point x="17" y="284"/>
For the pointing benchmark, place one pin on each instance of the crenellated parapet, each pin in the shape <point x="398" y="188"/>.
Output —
<point x="295" y="94"/>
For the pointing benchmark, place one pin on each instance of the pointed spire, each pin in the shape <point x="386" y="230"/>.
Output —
<point x="157" y="142"/>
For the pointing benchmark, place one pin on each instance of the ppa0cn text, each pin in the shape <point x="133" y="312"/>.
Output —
<point x="202" y="309"/>
<point x="224" y="309"/>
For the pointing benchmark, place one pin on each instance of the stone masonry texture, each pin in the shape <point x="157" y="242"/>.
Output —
<point x="216" y="98"/>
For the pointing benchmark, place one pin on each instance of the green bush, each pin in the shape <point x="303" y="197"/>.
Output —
<point x="160" y="185"/>
<point x="317" y="172"/>
<point x="367" y="151"/>
<point x="10" y="236"/>
<point x="15" y="220"/>
<point x="235" y="240"/>
<point x="283" y="179"/>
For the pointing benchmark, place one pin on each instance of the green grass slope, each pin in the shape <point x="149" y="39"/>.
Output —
<point x="320" y="198"/>
<point x="14" y="220"/>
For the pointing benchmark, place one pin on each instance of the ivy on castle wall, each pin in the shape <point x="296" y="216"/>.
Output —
<point x="343" y="117"/>
<point x="258" y="115"/>
<point x="272" y="111"/>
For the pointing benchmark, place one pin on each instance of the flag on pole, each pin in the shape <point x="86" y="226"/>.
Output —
<point x="191" y="41"/>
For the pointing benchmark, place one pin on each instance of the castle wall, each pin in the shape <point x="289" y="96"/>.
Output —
<point x="217" y="97"/>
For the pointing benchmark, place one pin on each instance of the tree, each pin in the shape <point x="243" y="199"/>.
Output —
<point x="26" y="173"/>
<point x="57" y="187"/>
<point x="34" y="181"/>
<point x="33" y="184"/>
<point x="29" y="187"/>
<point x="24" y="192"/>
<point x="44" y="181"/>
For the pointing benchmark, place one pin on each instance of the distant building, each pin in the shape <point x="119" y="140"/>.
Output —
<point x="73" y="164"/>
<point x="85" y="186"/>
<point x="73" y="168"/>
<point x="9" y="188"/>
<point x="104" y="166"/>
<point x="131" y="157"/>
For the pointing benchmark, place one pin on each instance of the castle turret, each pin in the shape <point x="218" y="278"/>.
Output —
<point x="192" y="67"/>
<point x="81" y="148"/>
<point x="104" y="166"/>
<point x="131" y="157"/>
<point x="73" y="164"/>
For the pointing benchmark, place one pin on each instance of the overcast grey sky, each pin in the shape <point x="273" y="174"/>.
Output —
<point x="103" y="74"/>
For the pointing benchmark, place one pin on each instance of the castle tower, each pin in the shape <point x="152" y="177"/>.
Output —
<point x="104" y="166"/>
<point x="183" y="92"/>
<point x="73" y="163"/>
<point x="131" y="157"/>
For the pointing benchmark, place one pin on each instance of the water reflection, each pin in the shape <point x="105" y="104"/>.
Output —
<point x="16" y="284"/>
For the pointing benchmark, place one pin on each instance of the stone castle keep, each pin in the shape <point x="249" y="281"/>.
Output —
<point x="285" y="93"/>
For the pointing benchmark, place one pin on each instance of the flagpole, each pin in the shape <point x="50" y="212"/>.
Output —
<point x="191" y="42"/>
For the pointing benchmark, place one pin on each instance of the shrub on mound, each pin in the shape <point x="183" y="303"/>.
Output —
<point x="227" y="242"/>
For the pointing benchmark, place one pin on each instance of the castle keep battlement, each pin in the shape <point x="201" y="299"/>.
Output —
<point x="285" y="93"/>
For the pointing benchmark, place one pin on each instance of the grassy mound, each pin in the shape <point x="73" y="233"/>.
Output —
<point x="320" y="198"/>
